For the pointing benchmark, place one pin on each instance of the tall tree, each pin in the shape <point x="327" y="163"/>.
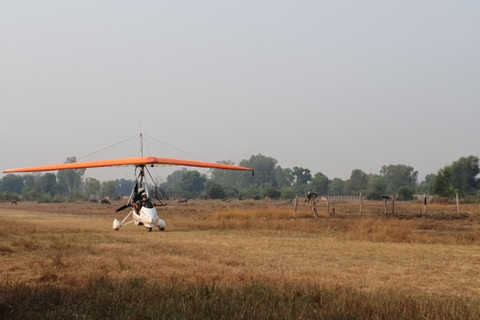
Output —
<point x="124" y="186"/>
<point x="397" y="176"/>
<point x="30" y="180"/>
<point x="109" y="188"/>
<point x="70" y="180"/>
<point x="459" y="177"/>
<point x="92" y="187"/>
<point x="319" y="183"/>
<point x="173" y="180"/>
<point x="31" y="189"/>
<point x="427" y="184"/>
<point x="336" y="187"/>
<point x="442" y="186"/>
<point x="12" y="183"/>
<point x="302" y="178"/>
<point x="376" y="186"/>
<point x="283" y="177"/>
<point x="193" y="181"/>
<point x="264" y="171"/>
<point x="464" y="173"/>
<point x="48" y="183"/>
<point x="358" y="181"/>
<point x="226" y="178"/>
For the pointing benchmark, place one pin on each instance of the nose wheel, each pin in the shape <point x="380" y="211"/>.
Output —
<point x="149" y="229"/>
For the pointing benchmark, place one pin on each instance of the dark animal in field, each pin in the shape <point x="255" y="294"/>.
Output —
<point x="14" y="201"/>
<point x="93" y="200"/>
<point x="183" y="201"/>
<point x="105" y="201"/>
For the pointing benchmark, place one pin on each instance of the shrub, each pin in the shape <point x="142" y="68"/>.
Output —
<point x="215" y="191"/>
<point x="272" y="193"/>
<point x="288" y="193"/>
<point x="405" y="193"/>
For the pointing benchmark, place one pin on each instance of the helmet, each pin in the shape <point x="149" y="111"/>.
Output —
<point x="141" y="190"/>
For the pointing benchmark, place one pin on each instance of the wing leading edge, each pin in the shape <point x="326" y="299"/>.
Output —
<point x="131" y="162"/>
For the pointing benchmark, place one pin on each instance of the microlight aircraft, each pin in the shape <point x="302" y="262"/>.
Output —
<point x="147" y="215"/>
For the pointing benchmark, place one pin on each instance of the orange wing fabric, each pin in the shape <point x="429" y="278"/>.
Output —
<point x="131" y="162"/>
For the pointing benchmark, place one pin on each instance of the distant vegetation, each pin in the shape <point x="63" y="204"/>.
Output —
<point x="270" y="181"/>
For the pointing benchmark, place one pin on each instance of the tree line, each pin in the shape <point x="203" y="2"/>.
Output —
<point x="270" y="180"/>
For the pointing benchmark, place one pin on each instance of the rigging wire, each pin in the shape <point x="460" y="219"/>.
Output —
<point x="113" y="145"/>
<point x="162" y="203"/>
<point x="177" y="149"/>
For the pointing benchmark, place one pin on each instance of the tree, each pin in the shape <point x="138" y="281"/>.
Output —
<point x="12" y="183"/>
<point x="226" y="178"/>
<point x="31" y="189"/>
<point x="124" y="187"/>
<point x="264" y="171"/>
<point x="442" y="186"/>
<point x="358" y="181"/>
<point x="464" y="173"/>
<point x="173" y="181"/>
<point x="193" y="181"/>
<point x="70" y="180"/>
<point x="427" y="184"/>
<point x="283" y="177"/>
<point x="459" y="177"/>
<point x="48" y="183"/>
<point x="336" y="187"/>
<point x="302" y="178"/>
<point x="214" y="190"/>
<point x="92" y="187"/>
<point x="319" y="184"/>
<point x="397" y="176"/>
<point x="376" y="186"/>
<point x="108" y="188"/>
<point x="30" y="181"/>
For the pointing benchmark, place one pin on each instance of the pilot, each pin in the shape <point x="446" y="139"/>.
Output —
<point x="138" y="199"/>
<point x="139" y="194"/>
<point x="146" y="202"/>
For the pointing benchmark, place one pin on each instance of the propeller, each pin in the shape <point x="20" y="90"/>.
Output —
<point x="123" y="207"/>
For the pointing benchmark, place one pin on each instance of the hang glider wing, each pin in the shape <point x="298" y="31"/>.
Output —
<point x="146" y="161"/>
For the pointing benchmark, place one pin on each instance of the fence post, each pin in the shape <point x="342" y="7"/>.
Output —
<point x="393" y="204"/>
<point x="361" y="204"/>
<point x="458" y="205"/>
<point x="425" y="205"/>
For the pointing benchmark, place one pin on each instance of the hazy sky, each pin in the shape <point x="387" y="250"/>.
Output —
<point x="327" y="85"/>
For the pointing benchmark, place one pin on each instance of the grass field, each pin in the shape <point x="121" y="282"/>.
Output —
<point x="240" y="259"/>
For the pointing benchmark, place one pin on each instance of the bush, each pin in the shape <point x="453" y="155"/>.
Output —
<point x="252" y="192"/>
<point x="288" y="193"/>
<point x="7" y="196"/>
<point x="272" y="193"/>
<point x="373" y="195"/>
<point x="405" y="193"/>
<point x="215" y="191"/>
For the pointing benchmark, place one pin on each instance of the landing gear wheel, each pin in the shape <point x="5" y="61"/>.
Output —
<point x="149" y="229"/>
<point x="161" y="229"/>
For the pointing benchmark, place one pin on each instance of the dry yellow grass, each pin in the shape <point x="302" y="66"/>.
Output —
<point x="237" y="244"/>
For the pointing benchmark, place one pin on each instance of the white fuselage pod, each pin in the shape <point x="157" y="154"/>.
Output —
<point x="147" y="216"/>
